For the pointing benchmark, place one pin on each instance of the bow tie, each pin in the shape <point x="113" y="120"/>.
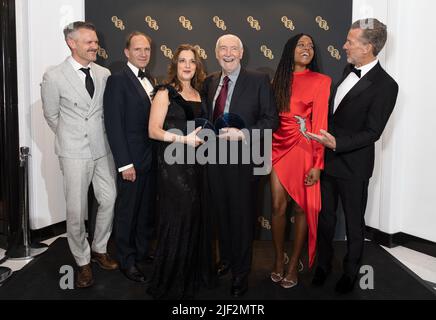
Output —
<point x="142" y="74"/>
<point x="356" y="71"/>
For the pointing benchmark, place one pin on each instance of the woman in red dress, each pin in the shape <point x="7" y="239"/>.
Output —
<point x="302" y="99"/>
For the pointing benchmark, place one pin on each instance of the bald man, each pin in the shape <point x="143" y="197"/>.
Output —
<point x="247" y="94"/>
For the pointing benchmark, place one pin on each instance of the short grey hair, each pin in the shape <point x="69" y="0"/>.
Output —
<point x="374" y="32"/>
<point x="71" y="28"/>
<point x="241" y="46"/>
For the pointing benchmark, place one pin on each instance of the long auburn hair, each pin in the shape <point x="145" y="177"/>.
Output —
<point x="199" y="76"/>
<point x="283" y="78"/>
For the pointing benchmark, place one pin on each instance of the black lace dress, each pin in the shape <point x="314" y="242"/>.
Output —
<point x="184" y="255"/>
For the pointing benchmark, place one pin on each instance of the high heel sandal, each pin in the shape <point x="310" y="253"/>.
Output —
<point x="285" y="258"/>
<point x="287" y="284"/>
<point x="276" y="277"/>
<point x="300" y="263"/>
<point x="300" y="266"/>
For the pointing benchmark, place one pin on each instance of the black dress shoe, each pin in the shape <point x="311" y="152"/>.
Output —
<point x="149" y="258"/>
<point x="239" y="286"/>
<point x="345" y="284"/>
<point x="142" y="267"/>
<point x="223" y="269"/>
<point x="133" y="274"/>
<point x="319" y="277"/>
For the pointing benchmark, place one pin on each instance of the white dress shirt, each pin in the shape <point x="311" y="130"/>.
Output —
<point x="231" y="86"/>
<point x="350" y="81"/>
<point x="148" y="87"/>
<point x="77" y="66"/>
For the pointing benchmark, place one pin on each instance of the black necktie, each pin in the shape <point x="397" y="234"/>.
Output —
<point x="356" y="71"/>
<point x="142" y="74"/>
<point x="88" y="81"/>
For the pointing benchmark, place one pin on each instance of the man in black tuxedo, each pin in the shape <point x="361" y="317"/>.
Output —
<point x="233" y="186"/>
<point x="127" y="101"/>
<point x="359" y="111"/>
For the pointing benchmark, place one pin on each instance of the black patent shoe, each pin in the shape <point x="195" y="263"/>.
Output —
<point x="239" y="286"/>
<point x="320" y="277"/>
<point x="134" y="274"/>
<point x="223" y="269"/>
<point x="345" y="284"/>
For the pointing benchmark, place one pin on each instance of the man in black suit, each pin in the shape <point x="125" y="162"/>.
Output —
<point x="127" y="101"/>
<point x="233" y="186"/>
<point x="359" y="111"/>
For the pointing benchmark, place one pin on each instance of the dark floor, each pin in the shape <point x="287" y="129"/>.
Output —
<point x="40" y="280"/>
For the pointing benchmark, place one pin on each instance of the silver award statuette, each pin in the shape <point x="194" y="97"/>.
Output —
<point x="302" y="122"/>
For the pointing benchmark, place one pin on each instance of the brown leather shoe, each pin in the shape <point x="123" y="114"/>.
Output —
<point x="84" y="276"/>
<point x="104" y="261"/>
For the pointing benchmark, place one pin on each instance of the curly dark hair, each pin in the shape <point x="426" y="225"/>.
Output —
<point x="283" y="78"/>
<point x="199" y="76"/>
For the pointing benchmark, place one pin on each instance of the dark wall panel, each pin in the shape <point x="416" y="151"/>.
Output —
<point x="263" y="26"/>
<point x="172" y="22"/>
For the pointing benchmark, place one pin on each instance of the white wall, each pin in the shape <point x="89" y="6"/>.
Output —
<point x="402" y="192"/>
<point x="409" y="189"/>
<point x="40" y="44"/>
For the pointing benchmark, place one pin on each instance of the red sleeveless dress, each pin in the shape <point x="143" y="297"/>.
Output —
<point x="293" y="155"/>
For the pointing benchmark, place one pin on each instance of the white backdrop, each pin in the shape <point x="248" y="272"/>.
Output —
<point x="402" y="192"/>
<point x="403" y="195"/>
<point x="40" y="45"/>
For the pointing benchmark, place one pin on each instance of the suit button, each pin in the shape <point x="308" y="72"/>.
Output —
<point x="86" y="119"/>
<point x="75" y="104"/>
<point x="86" y="135"/>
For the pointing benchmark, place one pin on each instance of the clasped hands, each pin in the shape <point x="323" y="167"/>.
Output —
<point x="230" y="133"/>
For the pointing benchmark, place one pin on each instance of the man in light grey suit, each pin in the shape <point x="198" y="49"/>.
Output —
<point x="72" y="96"/>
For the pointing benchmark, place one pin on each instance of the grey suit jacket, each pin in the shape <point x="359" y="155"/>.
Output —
<point x="75" y="118"/>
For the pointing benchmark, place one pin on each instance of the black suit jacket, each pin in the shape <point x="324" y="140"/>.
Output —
<point x="358" y="123"/>
<point x="126" y="115"/>
<point x="252" y="99"/>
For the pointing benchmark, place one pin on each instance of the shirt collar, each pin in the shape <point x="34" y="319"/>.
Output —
<point x="77" y="66"/>
<point x="134" y="69"/>
<point x="367" y="67"/>
<point x="232" y="76"/>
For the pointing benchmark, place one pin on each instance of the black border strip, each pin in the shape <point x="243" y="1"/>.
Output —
<point x="401" y="239"/>
<point x="9" y="136"/>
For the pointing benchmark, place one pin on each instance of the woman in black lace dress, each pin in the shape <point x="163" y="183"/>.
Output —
<point x="183" y="254"/>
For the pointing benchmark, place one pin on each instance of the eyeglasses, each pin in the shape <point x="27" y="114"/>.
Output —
<point x="303" y="46"/>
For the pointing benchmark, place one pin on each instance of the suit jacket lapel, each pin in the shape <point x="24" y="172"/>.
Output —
<point x="363" y="84"/>
<point x="211" y="94"/>
<point x="238" y="89"/>
<point x="72" y="77"/>
<point x="335" y="89"/>
<point x="135" y="81"/>
<point x="98" y="85"/>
